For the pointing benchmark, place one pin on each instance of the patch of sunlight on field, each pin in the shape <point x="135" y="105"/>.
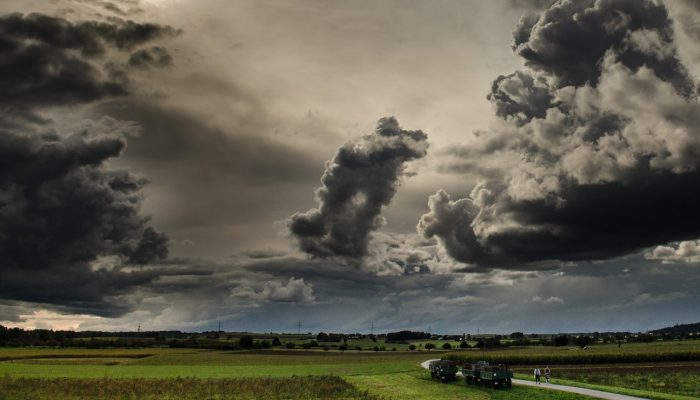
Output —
<point x="417" y="385"/>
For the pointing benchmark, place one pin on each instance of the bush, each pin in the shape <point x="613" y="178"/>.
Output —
<point x="447" y="346"/>
<point x="464" y="345"/>
<point x="429" y="346"/>
<point x="246" y="342"/>
<point x="412" y="347"/>
<point x="276" y="342"/>
<point x="290" y="345"/>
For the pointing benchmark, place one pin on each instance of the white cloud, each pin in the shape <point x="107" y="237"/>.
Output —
<point x="687" y="251"/>
<point x="548" y="300"/>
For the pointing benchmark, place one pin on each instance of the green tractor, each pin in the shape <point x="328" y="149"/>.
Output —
<point x="443" y="370"/>
<point x="483" y="374"/>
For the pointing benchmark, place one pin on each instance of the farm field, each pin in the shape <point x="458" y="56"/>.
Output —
<point x="298" y="388"/>
<point x="32" y="372"/>
<point x="681" y="379"/>
<point x="674" y="351"/>
<point x="167" y="363"/>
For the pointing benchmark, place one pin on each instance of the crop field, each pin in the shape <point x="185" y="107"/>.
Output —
<point x="597" y="354"/>
<point x="297" y="388"/>
<point x="681" y="379"/>
<point x="72" y="373"/>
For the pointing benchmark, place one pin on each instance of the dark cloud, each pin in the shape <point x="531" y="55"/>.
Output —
<point x="71" y="233"/>
<point x="49" y="61"/>
<point x="61" y="209"/>
<point x="155" y="56"/>
<point x="597" y="144"/>
<point x="569" y="40"/>
<point x="361" y="178"/>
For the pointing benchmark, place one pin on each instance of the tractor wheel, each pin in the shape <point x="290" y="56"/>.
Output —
<point x="432" y="375"/>
<point x="509" y="383"/>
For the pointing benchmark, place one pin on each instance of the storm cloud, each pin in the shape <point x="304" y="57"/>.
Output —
<point x="598" y="142"/>
<point x="60" y="210"/>
<point x="361" y="178"/>
<point x="71" y="232"/>
<point x="50" y="61"/>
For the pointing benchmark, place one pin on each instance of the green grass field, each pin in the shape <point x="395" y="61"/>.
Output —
<point x="418" y="385"/>
<point x="34" y="373"/>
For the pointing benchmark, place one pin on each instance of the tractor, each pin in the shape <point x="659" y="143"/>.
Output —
<point x="443" y="370"/>
<point x="483" y="374"/>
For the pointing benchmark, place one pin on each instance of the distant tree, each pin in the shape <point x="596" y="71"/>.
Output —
<point x="276" y="341"/>
<point x="246" y="342"/>
<point x="290" y="345"/>
<point x="517" y="335"/>
<point x="429" y="346"/>
<point x="447" y="346"/>
<point x="560" y="340"/>
<point x="265" y="344"/>
<point x="375" y="348"/>
<point x="480" y="344"/>
<point x="322" y="337"/>
<point x="412" y="347"/>
<point x="358" y="348"/>
<point x="343" y="347"/>
<point x="325" y="347"/>
<point x="464" y="345"/>
<point x="583" y="341"/>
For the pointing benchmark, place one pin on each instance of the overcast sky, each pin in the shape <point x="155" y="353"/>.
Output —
<point x="510" y="165"/>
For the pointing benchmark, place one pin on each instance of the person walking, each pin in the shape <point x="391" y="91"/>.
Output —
<point x="537" y="375"/>
<point x="547" y="373"/>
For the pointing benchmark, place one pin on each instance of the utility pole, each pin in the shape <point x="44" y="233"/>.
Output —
<point x="219" y="326"/>
<point x="299" y="327"/>
<point x="372" y="329"/>
<point x="138" y="330"/>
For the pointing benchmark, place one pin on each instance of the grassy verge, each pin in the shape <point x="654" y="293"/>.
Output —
<point x="293" y="388"/>
<point x="614" y="389"/>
